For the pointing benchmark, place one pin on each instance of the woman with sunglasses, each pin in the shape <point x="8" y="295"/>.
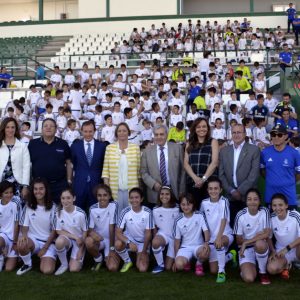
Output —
<point x="280" y="164"/>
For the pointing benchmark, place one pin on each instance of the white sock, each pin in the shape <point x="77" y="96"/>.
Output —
<point x="262" y="260"/>
<point x="221" y="259"/>
<point x="27" y="259"/>
<point x="124" y="255"/>
<point x="62" y="255"/>
<point x="158" y="254"/>
<point x="228" y="257"/>
<point x="98" y="259"/>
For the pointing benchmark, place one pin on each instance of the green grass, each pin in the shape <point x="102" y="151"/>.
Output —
<point x="133" y="285"/>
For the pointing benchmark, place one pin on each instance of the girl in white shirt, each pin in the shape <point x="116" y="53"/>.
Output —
<point x="259" y="85"/>
<point x="216" y="210"/>
<point x="101" y="232"/>
<point x="164" y="215"/>
<point x="189" y="229"/>
<point x="133" y="232"/>
<point x="37" y="232"/>
<point x="286" y="230"/>
<point x="71" y="227"/>
<point x="10" y="208"/>
<point x="252" y="230"/>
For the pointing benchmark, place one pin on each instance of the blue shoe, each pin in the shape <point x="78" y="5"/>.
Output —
<point x="158" y="269"/>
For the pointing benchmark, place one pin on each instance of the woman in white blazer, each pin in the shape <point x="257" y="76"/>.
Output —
<point x="14" y="157"/>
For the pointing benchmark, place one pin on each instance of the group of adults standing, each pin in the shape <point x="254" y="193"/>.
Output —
<point x="122" y="166"/>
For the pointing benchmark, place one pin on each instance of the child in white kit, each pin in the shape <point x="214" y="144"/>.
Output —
<point x="250" y="103"/>
<point x="49" y="114"/>
<point x="61" y="122"/>
<point x="90" y="108"/>
<point x="108" y="131"/>
<point x="71" y="134"/>
<point x="176" y="100"/>
<point x="98" y="118"/>
<point x="175" y="116"/>
<point x="75" y="100"/>
<point x="66" y="92"/>
<point x="232" y="123"/>
<point x="26" y="133"/>
<point x="218" y="133"/>
<point x="234" y="114"/>
<point x="33" y="97"/>
<point x="193" y="114"/>
<point x="155" y="113"/>
<point x="146" y="134"/>
<point x="107" y="104"/>
<point x="117" y="115"/>
<point x="260" y="135"/>
<point x="247" y="122"/>
<point x="217" y="114"/>
<point x="147" y="104"/>
<point x="162" y="102"/>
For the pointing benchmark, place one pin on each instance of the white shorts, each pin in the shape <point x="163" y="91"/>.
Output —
<point x="249" y="256"/>
<point x="139" y="245"/>
<point x="38" y="245"/>
<point x="169" y="242"/>
<point x="188" y="252"/>
<point x="75" y="249"/>
<point x="104" y="245"/>
<point x="213" y="251"/>
<point x="290" y="256"/>
<point x="8" y="245"/>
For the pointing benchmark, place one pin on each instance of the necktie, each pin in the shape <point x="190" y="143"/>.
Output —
<point x="89" y="155"/>
<point x="162" y="167"/>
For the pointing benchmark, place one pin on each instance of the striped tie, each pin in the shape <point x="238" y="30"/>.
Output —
<point x="162" y="169"/>
<point x="89" y="155"/>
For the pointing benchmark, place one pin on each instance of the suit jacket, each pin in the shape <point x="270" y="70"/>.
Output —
<point x="81" y="167"/>
<point x="150" y="170"/>
<point x="247" y="171"/>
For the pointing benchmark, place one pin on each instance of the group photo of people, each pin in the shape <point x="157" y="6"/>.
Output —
<point x="165" y="168"/>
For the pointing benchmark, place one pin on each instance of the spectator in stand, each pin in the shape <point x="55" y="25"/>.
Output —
<point x="285" y="57"/>
<point x="289" y="123"/>
<point x="193" y="92"/>
<point x="242" y="85"/>
<point x="5" y="78"/>
<point x="280" y="165"/>
<point x="296" y="24"/>
<point x="291" y="12"/>
<point x="56" y="78"/>
<point x="285" y="103"/>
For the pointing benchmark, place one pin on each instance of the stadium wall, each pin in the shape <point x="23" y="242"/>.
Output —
<point x="113" y="25"/>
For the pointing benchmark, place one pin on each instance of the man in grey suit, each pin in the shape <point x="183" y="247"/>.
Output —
<point x="238" y="169"/>
<point x="162" y="164"/>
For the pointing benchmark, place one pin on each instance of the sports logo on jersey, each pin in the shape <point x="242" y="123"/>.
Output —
<point x="143" y="220"/>
<point x="270" y="159"/>
<point x="286" y="162"/>
<point x="74" y="221"/>
<point x="248" y="225"/>
<point x="62" y="222"/>
<point x="131" y="220"/>
<point x="0" y="214"/>
<point x="275" y="229"/>
<point x="33" y="214"/>
<point x="98" y="217"/>
<point x="160" y="216"/>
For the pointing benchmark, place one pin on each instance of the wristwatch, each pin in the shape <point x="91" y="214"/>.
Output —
<point x="112" y="248"/>
<point x="204" y="178"/>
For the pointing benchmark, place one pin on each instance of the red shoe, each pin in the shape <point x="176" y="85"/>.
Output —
<point x="187" y="267"/>
<point x="264" y="279"/>
<point x="199" y="270"/>
<point x="285" y="274"/>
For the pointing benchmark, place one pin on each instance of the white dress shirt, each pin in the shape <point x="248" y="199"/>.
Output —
<point x="92" y="142"/>
<point x="166" y="160"/>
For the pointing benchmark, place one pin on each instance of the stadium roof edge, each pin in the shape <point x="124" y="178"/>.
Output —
<point x="162" y="17"/>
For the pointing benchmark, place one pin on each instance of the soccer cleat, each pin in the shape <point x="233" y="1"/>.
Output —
<point x="157" y="269"/>
<point x="126" y="267"/>
<point x="61" y="270"/>
<point x="221" y="278"/>
<point x="264" y="279"/>
<point x="96" y="267"/>
<point x="234" y="258"/>
<point x="285" y="274"/>
<point x="187" y="267"/>
<point x="1" y="262"/>
<point x="24" y="269"/>
<point x="199" y="270"/>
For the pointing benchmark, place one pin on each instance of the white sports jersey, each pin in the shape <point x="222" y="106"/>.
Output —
<point x="164" y="219"/>
<point x="34" y="98"/>
<point x="9" y="214"/>
<point x="249" y="104"/>
<point x="162" y="105"/>
<point x="154" y="115"/>
<point x="248" y="225"/>
<point x="74" y="222"/>
<point x="98" y="120"/>
<point x="214" y="213"/>
<point x="70" y="136"/>
<point x="174" y="119"/>
<point x="147" y="135"/>
<point x="286" y="231"/>
<point x="117" y="117"/>
<point x="101" y="218"/>
<point x="192" y="117"/>
<point x="135" y="224"/>
<point x="176" y="101"/>
<point x="108" y="133"/>
<point x="39" y="221"/>
<point x="61" y="121"/>
<point x="189" y="230"/>
<point x="69" y="79"/>
<point x="76" y="98"/>
<point x="147" y="104"/>
<point x="102" y="94"/>
<point x="217" y="115"/>
<point x="218" y="134"/>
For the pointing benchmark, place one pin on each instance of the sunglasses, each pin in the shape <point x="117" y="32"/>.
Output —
<point x="274" y="134"/>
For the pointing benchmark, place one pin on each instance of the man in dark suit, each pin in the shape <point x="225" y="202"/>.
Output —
<point x="162" y="164"/>
<point x="238" y="169"/>
<point x="87" y="158"/>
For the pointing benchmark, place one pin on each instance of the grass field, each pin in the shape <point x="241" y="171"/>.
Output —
<point x="133" y="285"/>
